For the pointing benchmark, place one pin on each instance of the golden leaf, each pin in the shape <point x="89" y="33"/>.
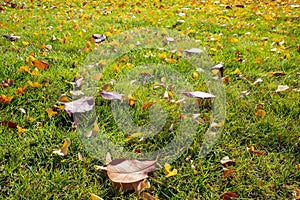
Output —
<point x="34" y="84"/>
<point x="50" y="112"/>
<point x="64" y="149"/>
<point x="21" y="130"/>
<point x="5" y="99"/>
<point x="260" y="113"/>
<point x="168" y="171"/>
<point x="21" y="90"/>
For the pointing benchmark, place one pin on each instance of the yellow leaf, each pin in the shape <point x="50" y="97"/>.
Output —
<point x="271" y="74"/>
<point x="35" y="72"/>
<point x="50" y="112"/>
<point x="25" y="43"/>
<point x="195" y="75"/>
<point x="95" y="197"/>
<point x="131" y="101"/>
<point x="260" y="113"/>
<point x="34" y="84"/>
<point x="24" y="69"/>
<point x="30" y="58"/>
<point x="5" y="99"/>
<point x="134" y="135"/>
<point x="63" y="98"/>
<point x="297" y="193"/>
<point x="168" y="171"/>
<point x="64" y="149"/>
<point x="21" y="130"/>
<point x="237" y="71"/>
<point x="21" y="91"/>
<point x="162" y="55"/>
<point x="170" y="60"/>
<point x="258" y="60"/>
<point x="226" y="79"/>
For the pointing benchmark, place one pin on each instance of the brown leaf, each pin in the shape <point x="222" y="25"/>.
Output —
<point x="256" y="152"/>
<point x="129" y="171"/>
<point x="147" y="196"/>
<point x="147" y="105"/>
<point x="6" y="83"/>
<point x="228" y="173"/>
<point x="81" y="105"/>
<point x="198" y="94"/>
<point x="111" y="95"/>
<point x="271" y="74"/>
<point x="228" y="195"/>
<point x="260" y="113"/>
<point x="9" y="124"/>
<point x="40" y="64"/>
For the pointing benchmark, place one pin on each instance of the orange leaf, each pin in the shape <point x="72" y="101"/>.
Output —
<point x="256" y="152"/>
<point x="21" y="90"/>
<point x="5" y="99"/>
<point x="50" y="112"/>
<point x="64" y="149"/>
<point x="147" y="105"/>
<point x="21" y="130"/>
<point x="260" y="113"/>
<point x="228" y="173"/>
<point x="40" y="64"/>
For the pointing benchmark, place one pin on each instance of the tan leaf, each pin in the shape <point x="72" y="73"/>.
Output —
<point x="129" y="171"/>
<point x="226" y="161"/>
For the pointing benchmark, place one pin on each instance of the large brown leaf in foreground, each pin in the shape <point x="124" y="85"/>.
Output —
<point x="81" y="105"/>
<point x="129" y="174"/>
<point x="129" y="171"/>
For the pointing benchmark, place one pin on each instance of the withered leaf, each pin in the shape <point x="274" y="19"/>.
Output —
<point x="40" y="64"/>
<point x="129" y="171"/>
<point x="81" y="105"/>
<point x="226" y="161"/>
<point x="111" y="95"/>
<point x="10" y="124"/>
<point x="147" y="105"/>
<point x="219" y="68"/>
<point x="199" y="94"/>
<point x="228" y="173"/>
<point x="63" y="151"/>
<point x="228" y="195"/>
<point x="6" y="83"/>
<point x="256" y="152"/>
<point x="194" y="50"/>
<point x="147" y="196"/>
<point x="11" y="37"/>
<point x="99" y="38"/>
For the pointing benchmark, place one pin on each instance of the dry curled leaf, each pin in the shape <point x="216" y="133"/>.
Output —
<point x="81" y="105"/>
<point x="256" y="152"/>
<point x="10" y="124"/>
<point x="147" y="105"/>
<point x="225" y="161"/>
<point x="111" y="95"/>
<point x="147" y="196"/>
<point x="229" y="195"/>
<point x="5" y="99"/>
<point x="63" y="151"/>
<point x="199" y="94"/>
<point x="228" y="173"/>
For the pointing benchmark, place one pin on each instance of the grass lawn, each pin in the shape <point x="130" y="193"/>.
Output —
<point x="255" y="40"/>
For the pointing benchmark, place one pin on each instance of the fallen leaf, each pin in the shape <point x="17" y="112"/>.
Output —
<point x="10" y="124"/>
<point x="218" y="69"/>
<point x="147" y="196"/>
<point x="21" y="130"/>
<point x="131" y="101"/>
<point x="259" y="80"/>
<point x="99" y="38"/>
<point x="194" y="50"/>
<point x="111" y="95"/>
<point x="134" y="135"/>
<point x="5" y="99"/>
<point x="260" y="113"/>
<point x="11" y="37"/>
<point x="296" y="193"/>
<point x="50" y="112"/>
<point x="34" y="84"/>
<point x="256" y="152"/>
<point x="198" y="94"/>
<point x="63" y="98"/>
<point x="6" y="83"/>
<point x="24" y="69"/>
<point x="228" y="195"/>
<point x="168" y="171"/>
<point x="228" y="173"/>
<point x="95" y="197"/>
<point x="226" y="79"/>
<point x="226" y="161"/>
<point x="63" y="151"/>
<point x="237" y="71"/>
<point x="40" y="64"/>
<point x="271" y="74"/>
<point x="282" y="88"/>
<point x="95" y="129"/>
<point x="81" y="105"/>
<point x="147" y="105"/>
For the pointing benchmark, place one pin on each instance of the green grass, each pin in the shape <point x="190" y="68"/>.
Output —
<point x="29" y="170"/>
